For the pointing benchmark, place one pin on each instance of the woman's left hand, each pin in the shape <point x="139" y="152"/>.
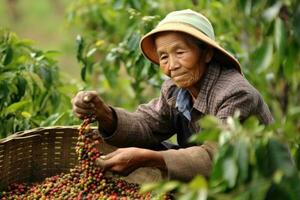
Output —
<point x="125" y="160"/>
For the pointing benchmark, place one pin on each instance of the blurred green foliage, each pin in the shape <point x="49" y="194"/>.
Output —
<point x="31" y="89"/>
<point x="253" y="161"/>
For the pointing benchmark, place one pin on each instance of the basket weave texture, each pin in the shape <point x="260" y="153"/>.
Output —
<point x="32" y="155"/>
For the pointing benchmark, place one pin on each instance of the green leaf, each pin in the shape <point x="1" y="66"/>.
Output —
<point x="209" y="122"/>
<point x="263" y="159"/>
<point x="21" y="85"/>
<point x="280" y="37"/>
<point x="230" y="171"/>
<point x="52" y="54"/>
<point x="262" y="57"/>
<point x="9" y="124"/>
<point x="133" y="42"/>
<point x="13" y="108"/>
<point x="199" y="182"/>
<point x="46" y="75"/>
<point x="83" y="73"/>
<point x="26" y="114"/>
<point x="188" y="196"/>
<point x="4" y="91"/>
<point x="91" y="52"/>
<point x="272" y="11"/>
<point x="37" y="80"/>
<point x="259" y="189"/>
<point x="169" y="186"/>
<point x="52" y="119"/>
<point x="280" y="157"/>
<point x="247" y="6"/>
<point x="118" y="4"/>
<point x="291" y="60"/>
<point x="148" y="187"/>
<point x="136" y="4"/>
<point x="296" y="23"/>
<point x="205" y="135"/>
<point x="80" y="48"/>
<point x="251" y="123"/>
<point x="8" y="56"/>
<point x="241" y="150"/>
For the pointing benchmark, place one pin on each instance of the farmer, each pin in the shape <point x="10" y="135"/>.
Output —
<point x="204" y="79"/>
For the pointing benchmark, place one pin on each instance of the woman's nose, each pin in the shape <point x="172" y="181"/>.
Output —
<point x="173" y="63"/>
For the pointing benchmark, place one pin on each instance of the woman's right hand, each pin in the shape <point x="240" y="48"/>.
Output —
<point x="88" y="103"/>
<point x="85" y="104"/>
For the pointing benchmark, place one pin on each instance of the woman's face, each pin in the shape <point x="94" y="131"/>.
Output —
<point x="180" y="58"/>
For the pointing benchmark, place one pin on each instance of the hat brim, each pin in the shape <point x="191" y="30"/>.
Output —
<point x="149" y="50"/>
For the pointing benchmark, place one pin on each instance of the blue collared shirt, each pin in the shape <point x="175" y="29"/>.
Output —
<point x="184" y="103"/>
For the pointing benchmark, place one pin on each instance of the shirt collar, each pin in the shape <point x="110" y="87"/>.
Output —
<point x="184" y="103"/>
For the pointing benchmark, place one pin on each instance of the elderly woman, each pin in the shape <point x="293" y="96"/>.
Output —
<point x="204" y="79"/>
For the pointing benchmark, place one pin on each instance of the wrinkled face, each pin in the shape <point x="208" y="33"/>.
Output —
<point x="180" y="58"/>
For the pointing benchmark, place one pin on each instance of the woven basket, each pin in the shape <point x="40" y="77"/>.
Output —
<point x="32" y="155"/>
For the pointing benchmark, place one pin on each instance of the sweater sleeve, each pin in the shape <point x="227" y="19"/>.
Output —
<point x="148" y="126"/>
<point x="184" y="164"/>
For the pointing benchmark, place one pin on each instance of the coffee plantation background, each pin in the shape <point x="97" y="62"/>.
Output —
<point x="49" y="50"/>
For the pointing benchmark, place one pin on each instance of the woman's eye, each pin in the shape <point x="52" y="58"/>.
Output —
<point x="163" y="57"/>
<point x="180" y="52"/>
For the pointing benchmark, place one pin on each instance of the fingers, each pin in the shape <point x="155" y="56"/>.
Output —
<point x="106" y="165"/>
<point x="113" y="166"/>
<point x="110" y="155"/>
<point x="82" y="113"/>
<point x="83" y="103"/>
<point x="105" y="161"/>
<point x="118" y="161"/>
<point x="100" y="162"/>
<point x="109" y="162"/>
<point x="102" y="159"/>
<point x="85" y="97"/>
<point x="89" y="96"/>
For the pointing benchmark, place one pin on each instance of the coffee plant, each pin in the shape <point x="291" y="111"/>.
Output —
<point x="31" y="91"/>
<point x="253" y="162"/>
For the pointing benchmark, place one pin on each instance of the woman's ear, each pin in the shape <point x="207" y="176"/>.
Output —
<point x="209" y="53"/>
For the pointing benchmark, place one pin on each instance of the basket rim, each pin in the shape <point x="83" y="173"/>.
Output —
<point x="24" y="134"/>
